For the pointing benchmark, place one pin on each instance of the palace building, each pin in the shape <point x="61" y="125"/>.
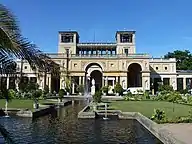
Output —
<point x="107" y="64"/>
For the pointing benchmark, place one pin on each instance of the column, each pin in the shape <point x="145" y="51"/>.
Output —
<point x="49" y="79"/>
<point x="7" y="82"/>
<point x="123" y="81"/>
<point x="184" y="83"/>
<point x="41" y="83"/>
<point x="117" y="79"/>
<point x="173" y="82"/>
<point x="73" y="88"/>
<point x="83" y="80"/>
<point x="17" y="84"/>
<point x="103" y="81"/>
<point x="79" y="80"/>
<point x="113" y="83"/>
<point x="106" y="81"/>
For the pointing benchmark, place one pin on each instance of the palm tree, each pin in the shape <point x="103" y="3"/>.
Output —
<point x="14" y="46"/>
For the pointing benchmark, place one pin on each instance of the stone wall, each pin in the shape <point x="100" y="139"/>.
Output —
<point x="84" y="113"/>
<point x="44" y="111"/>
<point x="2" y="113"/>
<point x="162" y="134"/>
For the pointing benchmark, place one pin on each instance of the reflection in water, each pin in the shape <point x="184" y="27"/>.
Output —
<point x="66" y="128"/>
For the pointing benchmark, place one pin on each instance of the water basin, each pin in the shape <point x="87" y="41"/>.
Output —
<point x="65" y="127"/>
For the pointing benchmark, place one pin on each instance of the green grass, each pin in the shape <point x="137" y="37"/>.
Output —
<point x="16" y="103"/>
<point x="147" y="107"/>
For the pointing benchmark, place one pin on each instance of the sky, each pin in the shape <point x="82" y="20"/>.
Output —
<point x="161" y="25"/>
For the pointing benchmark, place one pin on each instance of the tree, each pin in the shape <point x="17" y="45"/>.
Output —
<point x="13" y="45"/>
<point x="184" y="59"/>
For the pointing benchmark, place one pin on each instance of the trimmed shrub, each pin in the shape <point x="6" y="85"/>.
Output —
<point x="118" y="89"/>
<point x="97" y="96"/>
<point x="36" y="94"/>
<point x="165" y="88"/>
<point x="105" y="89"/>
<point x="61" y="93"/>
<point x="80" y="88"/>
<point x="11" y="94"/>
<point x="158" y="115"/>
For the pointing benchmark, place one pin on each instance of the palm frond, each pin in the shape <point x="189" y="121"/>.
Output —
<point x="13" y="44"/>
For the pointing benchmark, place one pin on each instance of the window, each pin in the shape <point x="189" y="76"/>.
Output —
<point x="126" y="51"/>
<point x="75" y="65"/>
<point x="156" y="68"/>
<point x="25" y="67"/>
<point x="67" y="38"/>
<point x="112" y="65"/>
<point x="165" y="68"/>
<point x="126" y="38"/>
<point x="67" y="51"/>
<point x="166" y="81"/>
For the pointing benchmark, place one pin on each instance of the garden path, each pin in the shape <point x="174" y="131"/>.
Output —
<point x="181" y="131"/>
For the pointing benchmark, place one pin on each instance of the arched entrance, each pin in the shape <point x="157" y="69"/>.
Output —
<point x="97" y="76"/>
<point x="134" y="75"/>
<point x="93" y="71"/>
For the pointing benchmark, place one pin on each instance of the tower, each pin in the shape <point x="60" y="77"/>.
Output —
<point x="125" y="42"/>
<point x="68" y="41"/>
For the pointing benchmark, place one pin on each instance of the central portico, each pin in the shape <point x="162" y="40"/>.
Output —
<point x="105" y="63"/>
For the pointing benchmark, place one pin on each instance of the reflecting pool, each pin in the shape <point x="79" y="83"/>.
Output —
<point x="66" y="128"/>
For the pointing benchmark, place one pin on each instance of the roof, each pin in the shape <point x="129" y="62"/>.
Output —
<point x="72" y="32"/>
<point x="125" y="32"/>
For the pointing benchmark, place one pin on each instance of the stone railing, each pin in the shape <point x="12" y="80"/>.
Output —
<point x="64" y="56"/>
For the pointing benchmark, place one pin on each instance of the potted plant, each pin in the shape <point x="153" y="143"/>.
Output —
<point x="61" y="94"/>
<point x="105" y="90"/>
<point x="118" y="89"/>
<point x="80" y="89"/>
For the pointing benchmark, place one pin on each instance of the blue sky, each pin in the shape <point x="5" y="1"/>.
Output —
<point x="161" y="25"/>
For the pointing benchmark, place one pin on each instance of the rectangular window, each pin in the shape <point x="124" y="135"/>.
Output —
<point x="166" y="81"/>
<point x="126" y="38"/>
<point x="67" y="52"/>
<point x="188" y="83"/>
<point x="67" y="38"/>
<point x="126" y="51"/>
<point x="179" y="84"/>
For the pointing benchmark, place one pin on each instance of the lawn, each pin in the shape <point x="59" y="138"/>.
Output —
<point x="16" y="103"/>
<point x="147" y="107"/>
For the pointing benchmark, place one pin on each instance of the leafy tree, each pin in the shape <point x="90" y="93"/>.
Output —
<point x="184" y="59"/>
